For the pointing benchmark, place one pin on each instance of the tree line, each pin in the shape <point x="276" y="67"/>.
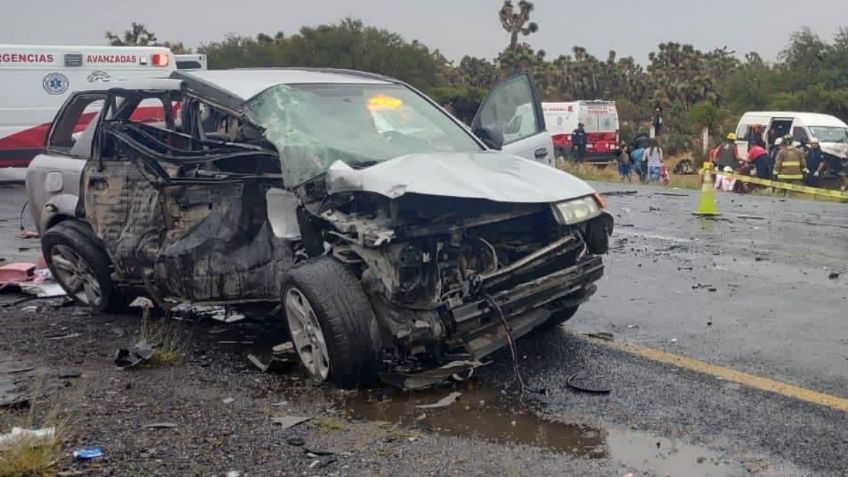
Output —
<point x="694" y="88"/>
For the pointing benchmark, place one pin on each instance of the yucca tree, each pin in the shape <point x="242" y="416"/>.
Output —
<point x="137" y="35"/>
<point x="517" y="22"/>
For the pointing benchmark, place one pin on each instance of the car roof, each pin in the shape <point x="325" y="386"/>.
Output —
<point x="809" y="119"/>
<point x="243" y="84"/>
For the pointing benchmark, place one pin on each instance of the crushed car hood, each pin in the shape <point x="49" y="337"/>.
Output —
<point x="494" y="176"/>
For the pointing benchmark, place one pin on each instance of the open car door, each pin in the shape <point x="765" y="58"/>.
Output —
<point x="511" y="119"/>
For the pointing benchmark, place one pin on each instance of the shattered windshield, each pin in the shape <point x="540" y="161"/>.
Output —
<point x="314" y="125"/>
<point x="829" y="133"/>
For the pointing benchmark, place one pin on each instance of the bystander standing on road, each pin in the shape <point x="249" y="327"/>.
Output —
<point x="790" y="164"/>
<point x="578" y="141"/>
<point x="654" y="156"/>
<point x="636" y="157"/>
<point x="727" y="154"/>
<point x="625" y="165"/>
<point x="815" y="163"/>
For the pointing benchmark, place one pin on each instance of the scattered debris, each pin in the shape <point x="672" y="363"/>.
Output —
<point x="30" y="309"/>
<point x="11" y="395"/>
<point x="619" y="193"/>
<point x="228" y="400"/>
<point x="423" y="379"/>
<point x="142" y="302"/>
<point x="295" y="441"/>
<point x="601" y="335"/>
<point x="46" y="289"/>
<point x="127" y="358"/>
<point x="88" y="454"/>
<point x="20" y="370"/>
<point x="280" y="404"/>
<point x="671" y="194"/>
<point x="288" y="422"/>
<point x="283" y="357"/>
<point x="64" y="337"/>
<point x="712" y="289"/>
<point x="444" y="402"/>
<point x="70" y="375"/>
<point x="833" y="275"/>
<point x="317" y="452"/>
<point x="161" y="425"/>
<point x="674" y="340"/>
<point x="699" y="285"/>
<point x="322" y="462"/>
<point x="575" y="383"/>
<point x="35" y="435"/>
<point x="233" y="473"/>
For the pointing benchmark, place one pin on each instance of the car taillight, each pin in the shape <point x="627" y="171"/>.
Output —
<point x="159" y="59"/>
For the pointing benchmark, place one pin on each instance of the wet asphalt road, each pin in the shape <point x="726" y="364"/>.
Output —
<point x="748" y="291"/>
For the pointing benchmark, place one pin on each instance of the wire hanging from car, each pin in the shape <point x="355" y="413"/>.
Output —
<point x="512" y="348"/>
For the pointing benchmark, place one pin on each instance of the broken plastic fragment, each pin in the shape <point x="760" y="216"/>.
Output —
<point x="444" y="402"/>
<point x="127" y="358"/>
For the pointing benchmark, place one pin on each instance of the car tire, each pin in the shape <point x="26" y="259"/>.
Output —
<point x="560" y="316"/>
<point x="79" y="263"/>
<point x="329" y="320"/>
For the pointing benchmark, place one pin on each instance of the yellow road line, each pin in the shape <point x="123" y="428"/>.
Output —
<point x="745" y="379"/>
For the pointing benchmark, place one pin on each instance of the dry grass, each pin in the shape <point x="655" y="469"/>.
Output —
<point x="168" y="340"/>
<point x="29" y="456"/>
<point x="609" y="173"/>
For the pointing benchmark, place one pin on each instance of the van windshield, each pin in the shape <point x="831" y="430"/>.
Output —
<point x="829" y="133"/>
<point x="314" y="125"/>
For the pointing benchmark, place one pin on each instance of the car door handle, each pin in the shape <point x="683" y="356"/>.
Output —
<point x="541" y="152"/>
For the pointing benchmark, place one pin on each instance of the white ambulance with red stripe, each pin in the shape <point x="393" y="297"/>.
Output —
<point x="600" y="120"/>
<point x="35" y="80"/>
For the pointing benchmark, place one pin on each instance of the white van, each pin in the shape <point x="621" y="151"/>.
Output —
<point x="831" y="131"/>
<point x="35" y="80"/>
<point x="192" y="62"/>
<point x="599" y="118"/>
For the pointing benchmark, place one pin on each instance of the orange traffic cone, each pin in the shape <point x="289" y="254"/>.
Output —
<point x="707" y="205"/>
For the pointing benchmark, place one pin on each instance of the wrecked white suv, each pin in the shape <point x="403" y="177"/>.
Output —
<point x="395" y="243"/>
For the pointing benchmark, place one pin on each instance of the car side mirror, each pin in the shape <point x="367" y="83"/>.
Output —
<point x="492" y="136"/>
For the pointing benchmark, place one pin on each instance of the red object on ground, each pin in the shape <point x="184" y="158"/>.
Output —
<point x="16" y="273"/>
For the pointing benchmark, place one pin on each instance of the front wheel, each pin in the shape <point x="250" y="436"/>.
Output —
<point x="79" y="263"/>
<point x="329" y="320"/>
<point x="560" y="316"/>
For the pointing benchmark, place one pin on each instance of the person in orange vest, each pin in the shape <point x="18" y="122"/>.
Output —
<point x="790" y="164"/>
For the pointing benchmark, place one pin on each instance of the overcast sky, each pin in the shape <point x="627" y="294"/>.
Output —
<point x="456" y="27"/>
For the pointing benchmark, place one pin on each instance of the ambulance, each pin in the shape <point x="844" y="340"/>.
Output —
<point x="600" y="120"/>
<point x="35" y="80"/>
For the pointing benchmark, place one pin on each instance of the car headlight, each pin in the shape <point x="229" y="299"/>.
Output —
<point x="574" y="211"/>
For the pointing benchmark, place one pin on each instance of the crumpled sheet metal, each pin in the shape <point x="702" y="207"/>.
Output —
<point x="200" y="242"/>
<point x="494" y="176"/>
<point x="430" y="377"/>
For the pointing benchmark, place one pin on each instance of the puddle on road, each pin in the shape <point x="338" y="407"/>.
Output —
<point x="482" y="412"/>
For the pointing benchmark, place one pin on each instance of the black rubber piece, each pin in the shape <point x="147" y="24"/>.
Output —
<point x="345" y="316"/>
<point x="79" y="237"/>
<point x="572" y="383"/>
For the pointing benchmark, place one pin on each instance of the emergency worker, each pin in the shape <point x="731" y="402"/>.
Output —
<point x="727" y="154"/>
<point x="815" y="163"/>
<point x="790" y="164"/>
<point x="578" y="141"/>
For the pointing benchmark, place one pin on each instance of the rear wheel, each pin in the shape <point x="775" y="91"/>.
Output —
<point x="329" y="319"/>
<point x="81" y="266"/>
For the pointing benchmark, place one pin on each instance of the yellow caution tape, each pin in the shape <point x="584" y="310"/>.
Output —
<point x="785" y="185"/>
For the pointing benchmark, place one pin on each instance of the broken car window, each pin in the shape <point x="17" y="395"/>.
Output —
<point x="314" y="125"/>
